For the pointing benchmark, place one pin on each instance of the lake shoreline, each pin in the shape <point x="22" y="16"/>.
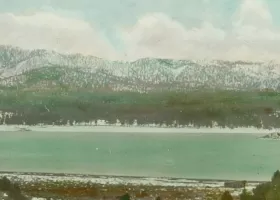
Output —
<point x="132" y="129"/>
<point x="86" y="176"/>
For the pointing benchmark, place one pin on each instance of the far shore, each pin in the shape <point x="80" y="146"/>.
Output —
<point x="132" y="129"/>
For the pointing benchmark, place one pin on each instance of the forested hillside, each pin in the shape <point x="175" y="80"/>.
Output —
<point x="200" y="108"/>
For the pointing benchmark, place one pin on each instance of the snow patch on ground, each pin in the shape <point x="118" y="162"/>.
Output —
<point x="133" y="129"/>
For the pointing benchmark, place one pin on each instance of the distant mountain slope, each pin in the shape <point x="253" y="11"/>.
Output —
<point x="47" y="69"/>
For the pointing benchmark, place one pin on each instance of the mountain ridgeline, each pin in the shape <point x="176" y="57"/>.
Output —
<point x="41" y="86"/>
<point x="47" y="69"/>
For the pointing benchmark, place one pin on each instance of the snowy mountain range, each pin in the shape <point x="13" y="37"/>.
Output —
<point x="43" y="69"/>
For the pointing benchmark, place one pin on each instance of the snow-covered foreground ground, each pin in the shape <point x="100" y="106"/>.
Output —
<point x="118" y="180"/>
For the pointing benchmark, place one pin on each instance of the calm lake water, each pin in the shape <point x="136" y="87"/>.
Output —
<point x="217" y="156"/>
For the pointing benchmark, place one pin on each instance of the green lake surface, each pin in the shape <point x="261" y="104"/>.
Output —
<point x="203" y="156"/>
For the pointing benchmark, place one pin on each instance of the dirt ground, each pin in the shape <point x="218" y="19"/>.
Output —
<point x="67" y="190"/>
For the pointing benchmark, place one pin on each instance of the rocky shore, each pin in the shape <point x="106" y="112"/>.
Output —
<point x="274" y="136"/>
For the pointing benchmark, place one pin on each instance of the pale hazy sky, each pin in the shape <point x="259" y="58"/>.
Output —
<point x="131" y="29"/>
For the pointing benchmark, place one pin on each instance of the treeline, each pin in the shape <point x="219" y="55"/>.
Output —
<point x="266" y="191"/>
<point x="200" y="108"/>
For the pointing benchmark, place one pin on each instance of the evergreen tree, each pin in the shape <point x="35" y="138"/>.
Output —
<point x="226" y="196"/>
<point x="245" y="195"/>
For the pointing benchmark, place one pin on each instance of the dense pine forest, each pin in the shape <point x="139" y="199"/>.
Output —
<point x="200" y="108"/>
